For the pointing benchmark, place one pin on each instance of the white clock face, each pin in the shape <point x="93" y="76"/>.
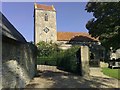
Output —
<point x="46" y="30"/>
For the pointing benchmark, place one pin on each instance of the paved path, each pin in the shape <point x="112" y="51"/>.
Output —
<point x="97" y="72"/>
<point x="50" y="77"/>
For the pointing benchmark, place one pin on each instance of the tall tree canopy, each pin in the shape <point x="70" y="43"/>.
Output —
<point x="106" y="22"/>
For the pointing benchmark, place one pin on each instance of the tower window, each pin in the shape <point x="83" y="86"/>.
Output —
<point x="46" y="17"/>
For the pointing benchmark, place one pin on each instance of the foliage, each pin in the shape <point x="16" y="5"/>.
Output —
<point x="50" y="54"/>
<point x="94" y="63"/>
<point x="115" y="73"/>
<point x="47" y="53"/>
<point x="47" y="61"/>
<point x="47" y="49"/>
<point x="106" y="22"/>
<point x="67" y="60"/>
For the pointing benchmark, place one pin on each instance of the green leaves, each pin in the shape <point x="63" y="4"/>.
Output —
<point x="47" y="49"/>
<point x="67" y="60"/>
<point x="106" y="22"/>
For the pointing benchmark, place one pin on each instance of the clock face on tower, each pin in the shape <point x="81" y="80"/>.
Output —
<point x="45" y="23"/>
<point x="46" y="30"/>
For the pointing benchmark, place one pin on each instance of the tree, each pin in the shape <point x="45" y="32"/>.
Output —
<point x="106" y="23"/>
<point x="47" y="49"/>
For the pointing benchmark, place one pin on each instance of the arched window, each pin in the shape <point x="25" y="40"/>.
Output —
<point x="46" y="17"/>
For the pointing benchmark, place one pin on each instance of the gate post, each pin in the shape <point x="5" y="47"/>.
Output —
<point x="85" y="61"/>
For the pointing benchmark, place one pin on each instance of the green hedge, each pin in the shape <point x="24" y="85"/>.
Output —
<point x="50" y="54"/>
<point x="46" y="61"/>
<point x="94" y="63"/>
<point x="67" y="60"/>
<point x="47" y="53"/>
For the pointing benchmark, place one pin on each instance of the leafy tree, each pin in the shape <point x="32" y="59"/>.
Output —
<point x="47" y="49"/>
<point x="47" y="53"/>
<point x="106" y="23"/>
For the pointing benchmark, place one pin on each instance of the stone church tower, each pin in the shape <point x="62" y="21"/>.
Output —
<point x="44" y="23"/>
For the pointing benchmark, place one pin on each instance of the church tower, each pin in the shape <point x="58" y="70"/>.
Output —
<point x="44" y="23"/>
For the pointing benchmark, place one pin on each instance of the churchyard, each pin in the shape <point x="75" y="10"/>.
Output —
<point x="51" y="75"/>
<point x="55" y="59"/>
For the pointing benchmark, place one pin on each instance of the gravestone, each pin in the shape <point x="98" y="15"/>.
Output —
<point x="85" y="61"/>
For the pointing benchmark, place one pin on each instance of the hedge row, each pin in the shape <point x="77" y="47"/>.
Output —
<point x="50" y="54"/>
<point x="46" y="61"/>
<point x="67" y="60"/>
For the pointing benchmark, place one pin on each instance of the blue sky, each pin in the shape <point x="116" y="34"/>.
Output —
<point x="71" y="16"/>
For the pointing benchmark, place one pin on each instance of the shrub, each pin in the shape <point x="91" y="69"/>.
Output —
<point x="67" y="60"/>
<point x="47" y="49"/>
<point x="50" y="54"/>
<point x="47" y="53"/>
<point x="46" y="61"/>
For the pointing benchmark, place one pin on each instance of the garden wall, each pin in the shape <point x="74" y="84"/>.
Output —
<point x="18" y="64"/>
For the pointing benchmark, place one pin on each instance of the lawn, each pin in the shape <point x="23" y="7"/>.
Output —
<point x="115" y="73"/>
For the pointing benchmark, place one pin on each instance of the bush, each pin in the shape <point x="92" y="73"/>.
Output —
<point x="94" y="63"/>
<point x="47" y="49"/>
<point x="47" y="53"/>
<point x="46" y="61"/>
<point x="67" y="60"/>
<point x="50" y="54"/>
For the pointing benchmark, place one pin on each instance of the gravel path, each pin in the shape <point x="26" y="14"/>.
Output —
<point x="51" y="77"/>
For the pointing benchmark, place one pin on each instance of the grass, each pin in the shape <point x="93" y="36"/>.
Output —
<point x="115" y="73"/>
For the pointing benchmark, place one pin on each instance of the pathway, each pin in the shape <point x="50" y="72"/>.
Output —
<point x="54" y="78"/>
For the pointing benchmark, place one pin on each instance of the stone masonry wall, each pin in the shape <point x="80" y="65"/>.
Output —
<point x="41" y="24"/>
<point x="85" y="61"/>
<point x="18" y="64"/>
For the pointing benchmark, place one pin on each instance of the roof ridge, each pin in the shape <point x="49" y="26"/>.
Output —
<point x="43" y="4"/>
<point x="45" y="7"/>
<point x="73" y="32"/>
<point x="79" y="36"/>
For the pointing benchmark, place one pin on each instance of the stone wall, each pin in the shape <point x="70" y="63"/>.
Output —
<point x="41" y="24"/>
<point x="117" y="53"/>
<point x="18" y="64"/>
<point x="103" y="64"/>
<point x="85" y="61"/>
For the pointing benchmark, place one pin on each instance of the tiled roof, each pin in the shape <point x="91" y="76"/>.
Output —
<point x="45" y="7"/>
<point x="75" y="36"/>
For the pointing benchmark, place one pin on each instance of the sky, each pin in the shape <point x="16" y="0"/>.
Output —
<point x="71" y="16"/>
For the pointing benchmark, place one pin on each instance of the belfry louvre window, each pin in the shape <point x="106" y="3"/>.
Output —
<point x="46" y="17"/>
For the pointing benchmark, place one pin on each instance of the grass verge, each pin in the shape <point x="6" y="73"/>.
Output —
<point x="115" y="73"/>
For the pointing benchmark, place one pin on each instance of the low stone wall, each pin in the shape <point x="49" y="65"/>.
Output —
<point x="18" y="64"/>
<point x="103" y="64"/>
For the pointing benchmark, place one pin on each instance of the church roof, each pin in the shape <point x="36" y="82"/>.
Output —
<point x="44" y="7"/>
<point x="75" y="36"/>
